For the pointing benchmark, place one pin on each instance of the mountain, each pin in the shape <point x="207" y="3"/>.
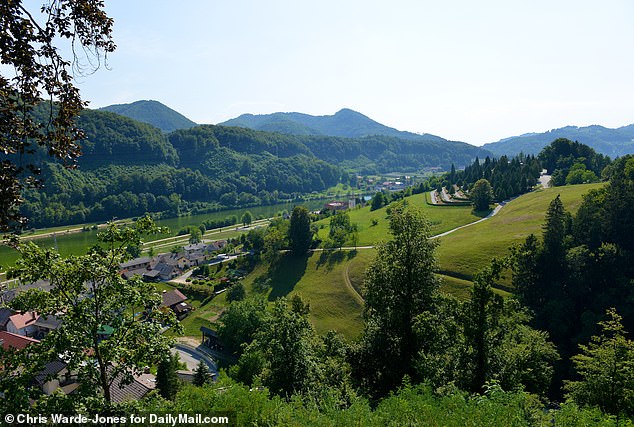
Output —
<point x="610" y="142"/>
<point x="345" y="123"/>
<point x="154" y="113"/>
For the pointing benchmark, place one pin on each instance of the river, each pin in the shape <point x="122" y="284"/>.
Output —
<point x="77" y="243"/>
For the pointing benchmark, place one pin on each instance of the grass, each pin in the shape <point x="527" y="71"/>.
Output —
<point x="318" y="279"/>
<point x="441" y="219"/>
<point x="462" y="253"/>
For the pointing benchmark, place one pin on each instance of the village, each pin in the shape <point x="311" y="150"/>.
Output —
<point x="19" y="330"/>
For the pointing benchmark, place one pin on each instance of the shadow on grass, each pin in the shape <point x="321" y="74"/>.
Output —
<point x="332" y="258"/>
<point x="482" y="214"/>
<point x="285" y="275"/>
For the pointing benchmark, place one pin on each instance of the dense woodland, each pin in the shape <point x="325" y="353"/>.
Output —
<point x="507" y="177"/>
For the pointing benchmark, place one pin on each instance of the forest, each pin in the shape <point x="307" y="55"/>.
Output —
<point x="130" y="168"/>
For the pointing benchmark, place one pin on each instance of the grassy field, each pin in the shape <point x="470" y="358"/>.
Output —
<point x="441" y="218"/>
<point x="463" y="253"/>
<point x="319" y="279"/>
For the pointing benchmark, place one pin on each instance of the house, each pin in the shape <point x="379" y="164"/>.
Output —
<point x="13" y="341"/>
<point x="336" y="206"/>
<point x="56" y="376"/>
<point x="165" y="271"/>
<point x="136" y="264"/>
<point x="175" y="300"/>
<point x="216" y="246"/>
<point x="23" y="323"/>
<point x="8" y="295"/>
<point x="195" y="247"/>
<point x="129" y="274"/>
<point x="152" y="276"/>
<point x="45" y="324"/>
<point x="137" y="389"/>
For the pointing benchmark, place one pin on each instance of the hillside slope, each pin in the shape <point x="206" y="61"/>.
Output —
<point x="154" y="113"/>
<point x="611" y="142"/>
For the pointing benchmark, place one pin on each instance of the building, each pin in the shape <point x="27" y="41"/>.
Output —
<point x="136" y="264"/>
<point x="5" y="313"/>
<point x="336" y="206"/>
<point x="45" y="324"/>
<point x="175" y="300"/>
<point x="23" y="323"/>
<point x="10" y="341"/>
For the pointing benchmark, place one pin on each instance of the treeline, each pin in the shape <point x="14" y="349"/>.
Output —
<point x="508" y="178"/>
<point x="582" y="267"/>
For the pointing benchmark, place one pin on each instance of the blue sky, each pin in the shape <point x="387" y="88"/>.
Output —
<point x="464" y="70"/>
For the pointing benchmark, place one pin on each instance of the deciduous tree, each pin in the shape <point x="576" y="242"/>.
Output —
<point x="481" y="195"/>
<point x="399" y="285"/>
<point x="91" y="297"/>
<point x="39" y="99"/>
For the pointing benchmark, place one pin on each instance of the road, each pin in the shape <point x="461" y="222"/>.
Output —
<point x="191" y="357"/>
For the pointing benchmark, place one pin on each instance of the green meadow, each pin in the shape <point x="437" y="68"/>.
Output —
<point x="462" y="253"/>
<point x="441" y="219"/>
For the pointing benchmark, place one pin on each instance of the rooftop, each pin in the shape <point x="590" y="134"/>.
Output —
<point x="18" y="342"/>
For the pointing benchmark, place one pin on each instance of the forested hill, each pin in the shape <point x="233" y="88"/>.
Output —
<point x="345" y="123"/>
<point x="610" y="142"/>
<point x="370" y="154"/>
<point x="154" y="113"/>
<point x="129" y="168"/>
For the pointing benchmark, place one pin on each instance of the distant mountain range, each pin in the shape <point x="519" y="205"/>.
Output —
<point x="345" y="123"/>
<point x="154" y="113"/>
<point x="611" y="142"/>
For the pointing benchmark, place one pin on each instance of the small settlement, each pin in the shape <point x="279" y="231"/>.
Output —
<point x="19" y="330"/>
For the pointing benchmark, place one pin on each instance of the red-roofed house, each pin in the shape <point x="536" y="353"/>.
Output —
<point x="18" y="342"/>
<point x="23" y="323"/>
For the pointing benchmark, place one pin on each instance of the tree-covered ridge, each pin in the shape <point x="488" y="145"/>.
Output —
<point x="610" y="142"/>
<point x="115" y="139"/>
<point x="581" y="268"/>
<point x="572" y="162"/>
<point x="154" y="113"/>
<point x="372" y="154"/>
<point x="344" y="123"/>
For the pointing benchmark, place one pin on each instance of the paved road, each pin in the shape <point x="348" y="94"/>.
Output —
<point x="191" y="357"/>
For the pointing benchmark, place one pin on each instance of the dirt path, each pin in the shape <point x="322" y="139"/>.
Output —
<point x="346" y="279"/>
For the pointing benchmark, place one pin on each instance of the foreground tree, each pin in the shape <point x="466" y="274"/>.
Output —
<point x="34" y="69"/>
<point x="399" y="285"/>
<point x="111" y="327"/>
<point x="499" y="345"/>
<point x="283" y="354"/>
<point x="606" y="367"/>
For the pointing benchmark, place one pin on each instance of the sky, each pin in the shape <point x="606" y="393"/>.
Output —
<point x="464" y="70"/>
